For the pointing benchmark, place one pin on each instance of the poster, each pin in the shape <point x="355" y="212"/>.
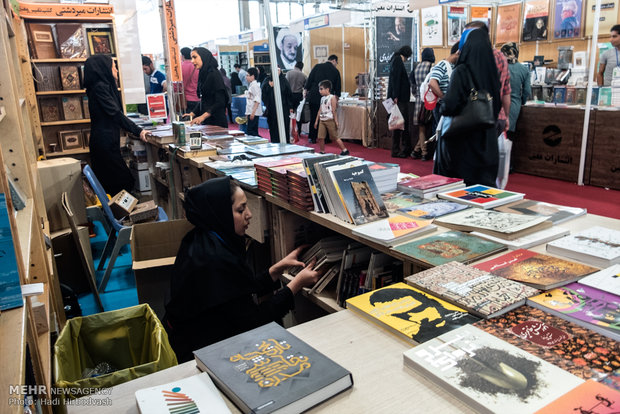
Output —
<point x="392" y="33"/>
<point x="432" y="24"/>
<point x="536" y="20"/>
<point x="288" y="47"/>
<point x="457" y="19"/>
<point x="482" y="14"/>
<point x="508" y="18"/>
<point x="609" y="16"/>
<point x="321" y="52"/>
<point x="568" y="18"/>
<point x="156" y="103"/>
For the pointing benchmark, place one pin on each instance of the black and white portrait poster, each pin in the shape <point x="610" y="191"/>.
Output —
<point x="288" y="47"/>
<point x="395" y="26"/>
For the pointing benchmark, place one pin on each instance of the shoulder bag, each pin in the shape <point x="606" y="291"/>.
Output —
<point x="477" y="114"/>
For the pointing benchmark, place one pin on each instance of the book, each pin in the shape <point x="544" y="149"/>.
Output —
<point x="41" y="40"/>
<point x="449" y="246"/>
<point x="69" y="77"/>
<point x="482" y="196"/>
<point x="394" y="201"/>
<point x="313" y="181"/>
<point x="584" y="305"/>
<point x="480" y="292"/>
<point x="502" y="225"/>
<point x="72" y="108"/>
<point x="323" y="182"/>
<point x="606" y="279"/>
<point x="47" y="77"/>
<point x="429" y="185"/>
<point x="556" y="213"/>
<point x="50" y="109"/>
<point x="572" y="347"/>
<point x="85" y="107"/>
<point x="269" y="370"/>
<point x="433" y="209"/>
<point x="394" y="230"/>
<point x="10" y="288"/>
<point x="597" y="246"/>
<point x="489" y="374"/>
<point x="409" y="313"/>
<point x="190" y="395"/>
<point x="71" y="41"/>
<point x="559" y="94"/>
<point x="269" y="150"/>
<point x="529" y="240"/>
<point x="536" y="269"/>
<point x="589" y="397"/>
<point x="355" y="260"/>
<point x="359" y="194"/>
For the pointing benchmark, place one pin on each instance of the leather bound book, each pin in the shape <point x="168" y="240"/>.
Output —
<point x="70" y="77"/>
<point x="42" y="41"/>
<point x="72" y="107"/>
<point x="71" y="40"/>
<point x="85" y="107"/>
<point x="50" y="109"/>
<point x="47" y="77"/>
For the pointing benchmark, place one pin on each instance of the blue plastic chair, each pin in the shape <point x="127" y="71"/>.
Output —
<point x="118" y="235"/>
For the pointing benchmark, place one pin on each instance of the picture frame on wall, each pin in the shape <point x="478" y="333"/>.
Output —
<point x="456" y="19"/>
<point x="70" y="140"/>
<point x="432" y="26"/>
<point x="568" y="21"/>
<point x="482" y="14"/>
<point x="536" y="20"/>
<point x="100" y="42"/>
<point x="508" y="23"/>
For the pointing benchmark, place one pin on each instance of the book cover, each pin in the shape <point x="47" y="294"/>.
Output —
<point x="477" y="291"/>
<point x="71" y="41"/>
<point x="593" y="308"/>
<point x="50" y="109"/>
<point x="606" y="279"/>
<point x="69" y="77"/>
<point x="428" y="182"/>
<point x="594" y="97"/>
<point x="535" y="20"/>
<point x="489" y="374"/>
<point x="559" y="94"/>
<point x="598" y="246"/>
<point x="572" y="347"/>
<point x="529" y="240"/>
<point x="360" y="194"/>
<point x="482" y="196"/>
<point x="433" y="209"/>
<point x="535" y="269"/>
<point x="190" y="395"/>
<point x="589" y="397"/>
<point x="72" y="107"/>
<point x="409" y="313"/>
<point x="313" y="181"/>
<point x="449" y="246"/>
<point x="508" y="23"/>
<point x="395" y="229"/>
<point x="498" y="224"/>
<point x="41" y="39"/>
<point x="85" y="107"/>
<point x="269" y="369"/>
<point x="571" y="95"/>
<point x="604" y="96"/>
<point x="556" y="213"/>
<point x="396" y="200"/>
<point x="10" y="288"/>
<point x="47" y="77"/>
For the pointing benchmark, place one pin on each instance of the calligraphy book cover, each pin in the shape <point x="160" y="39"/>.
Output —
<point x="449" y="246"/>
<point x="70" y="77"/>
<point x="47" y="77"/>
<point x="50" y="109"/>
<point x="489" y="374"/>
<point x="409" y="313"/>
<point x="589" y="397"/>
<point x="589" y="307"/>
<point x="72" y="107"/>
<point x="535" y="269"/>
<point x="478" y="291"/>
<point x="572" y="347"/>
<point x="598" y="246"/>
<point x="269" y="370"/>
<point x="556" y="213"/>
<point x="482" y="196"/>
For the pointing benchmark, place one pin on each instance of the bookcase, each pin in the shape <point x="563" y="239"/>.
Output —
<point x="20" y="327"/>
<point x="60" y="39"/>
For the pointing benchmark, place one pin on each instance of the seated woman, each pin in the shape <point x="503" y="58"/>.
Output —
<point x="213" y="289"/>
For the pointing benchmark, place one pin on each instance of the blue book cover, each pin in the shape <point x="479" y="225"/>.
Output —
<point x="433" y="209"/>
<point x="10" y="288"/>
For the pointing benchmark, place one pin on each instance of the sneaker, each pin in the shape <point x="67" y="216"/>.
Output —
<point x="345" y="152"/>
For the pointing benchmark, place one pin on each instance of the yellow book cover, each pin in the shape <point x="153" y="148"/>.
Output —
<point x="409" y="313"/>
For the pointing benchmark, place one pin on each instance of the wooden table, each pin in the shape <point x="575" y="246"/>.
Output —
<point x="382" y="384"/>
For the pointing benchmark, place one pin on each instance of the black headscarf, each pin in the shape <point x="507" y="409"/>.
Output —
<point x="209" y="64"/>
<point x="208" y="207"/>
<point x="234" y="81"/>
<point x="98" y="68"/>
<point x="477" y="56"/>
<point x="428" y="55"/>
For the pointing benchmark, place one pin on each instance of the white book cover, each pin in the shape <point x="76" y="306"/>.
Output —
<point x="597" y="245"/>
<point x="488" y="373"/>
<point x="192" y="395"/>
<point x="395" y="229"/>
<point x="529" y="240"/>
<point x="491" y="220"/>
<point x="606" y="279"/>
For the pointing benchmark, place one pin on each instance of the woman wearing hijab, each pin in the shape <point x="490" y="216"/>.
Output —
<point x="269" y="99"/>
<point x="211" y="90"/>
<point x="474" y="156"/>
<point x="519" y="84"/>
<point x="399" y="89"/>
<point x="234" y="82"/>
<point x="106" y="120"/>
<point x="213" y="288"/>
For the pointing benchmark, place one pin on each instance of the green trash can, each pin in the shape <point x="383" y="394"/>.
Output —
<point x="131" y="340"/>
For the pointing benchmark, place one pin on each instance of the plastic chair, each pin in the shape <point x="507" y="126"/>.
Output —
<point x="118" y="235"/>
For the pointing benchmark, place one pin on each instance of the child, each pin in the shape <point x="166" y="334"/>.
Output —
<point x="329" y="119"/>
<point x="253" y="107"/>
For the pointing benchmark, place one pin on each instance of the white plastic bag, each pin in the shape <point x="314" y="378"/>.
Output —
<point x="396" y="120"/>
<point x="505" y="148"/>
<point x="300" y="109"/>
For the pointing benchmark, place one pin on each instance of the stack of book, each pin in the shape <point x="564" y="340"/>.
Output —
<point x="318" y="198"/>
<point x="324" y="253"/>
<point x="394" y="230"/>
<point x="429" y="185"/>
<point x="272" y="149"/>
<point x="251" y="140"/>
<point x="482" y="196"/>
<point x="354" y="266"/>
<point x="300" y="195"/>
<point x="555" y="213"/>
<point x="395" y="201"/>
<point x="598" y="246"/>
<point x="263" y="173"/>
<point x="385" y="175"/>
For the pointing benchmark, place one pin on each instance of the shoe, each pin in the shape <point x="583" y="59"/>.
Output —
<point x="427" y="157"/>
<point x="401" y="155"/>
<point x="345" y="152"/>
<point x="416" y="155"/>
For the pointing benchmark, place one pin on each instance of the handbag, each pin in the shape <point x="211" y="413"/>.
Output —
<point x="477" y="114"/>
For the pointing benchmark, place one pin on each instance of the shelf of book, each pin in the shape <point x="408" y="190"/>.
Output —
<point x="75" y="121"/>
<point x="45" y="93"/>
<point x="326" y="300"/>
<point x="65" y="153"/>
<point x="13" y="345"/>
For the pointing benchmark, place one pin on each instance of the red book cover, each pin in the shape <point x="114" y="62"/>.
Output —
<point x="429" y="181"/>
<point x="589" y="397"/>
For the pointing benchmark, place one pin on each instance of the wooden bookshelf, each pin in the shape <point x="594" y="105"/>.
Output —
<point x="66" y="153"/>
<point x="75" y="121"/>
<point x="75" y="91"/>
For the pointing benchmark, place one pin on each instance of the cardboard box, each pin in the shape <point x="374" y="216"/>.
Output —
<point x="142" y="178"/>
<point x="147" y="211"/>
<point x="154" y="248"/>
<point x="122" y="204"/>
<point x="57" y="176"/>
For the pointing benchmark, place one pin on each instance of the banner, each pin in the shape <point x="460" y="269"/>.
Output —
<point x="508" y="18"/>
<point x="609" y="16"/>
<point x="568" y="18"/>
<point x="535" y="20"/>
<point x="173" y="42"/>
<point x="432" y="26"/>
<point x="391" y="34"/>
<point x="65" y="11"/>
<point x="288" y="47"/>
<point x="482" y="14"/>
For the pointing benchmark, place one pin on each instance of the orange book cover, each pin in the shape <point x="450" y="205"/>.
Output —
<point x="589" y="397"/>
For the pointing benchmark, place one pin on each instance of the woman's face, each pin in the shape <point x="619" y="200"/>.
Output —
<point x="241" y="212"/>
<point x="196" y="60"/>
<point x="114" y="71"/>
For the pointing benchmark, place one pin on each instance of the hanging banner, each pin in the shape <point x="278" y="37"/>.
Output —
<point x="173" y="42"/>
<point x="316" y="22"/>
<point x="65" y="11"/>
<point x="432" y="26"/>
<point x="535" y="20"/>
<point x="568" y="18"/>
<point x="395" y="26"/>
<point x="288" y="47"/>
<point x="609" y="16"/>
<point x="508" y="18"/>
<point x="457" y="19"/>
<point x="156" y="104"/>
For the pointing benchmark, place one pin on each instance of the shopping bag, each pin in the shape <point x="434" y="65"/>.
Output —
<point x="396" y="120"/>
<point x="505" y="148"/>
<point x="294" y="130"/>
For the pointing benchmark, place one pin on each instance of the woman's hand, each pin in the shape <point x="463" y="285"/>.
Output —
<point x="290" y="260"/>
<point x="143" y="135"/>
<point x="200" y="119"/>
<point x="191" y="115"/>
<point x="307" y="277"/>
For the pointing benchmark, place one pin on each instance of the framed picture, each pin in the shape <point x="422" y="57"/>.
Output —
<point x="70" y="139"/>
<point x="86" y="137"/>
<point x="100" y="42"/>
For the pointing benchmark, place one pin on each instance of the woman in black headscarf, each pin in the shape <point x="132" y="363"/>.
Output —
<point x="234" y="82"/>
<point x="211" y="90"/>
<point x="106" y="120"/>
<point x="269" y="99"/>
<point x="213" y="287"/>
<point x="474" y="156"/>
